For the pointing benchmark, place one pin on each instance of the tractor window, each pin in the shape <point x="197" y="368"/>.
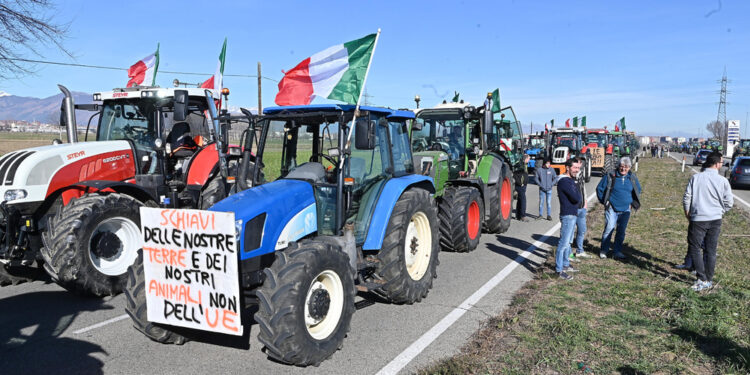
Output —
<point x="402" y="161"/>
<point x="127" y="120"/>
<point x="442" y="132"/>
<point x="536" y="143"/>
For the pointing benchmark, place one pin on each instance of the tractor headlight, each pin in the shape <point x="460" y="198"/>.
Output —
<point x="15" y="194"/>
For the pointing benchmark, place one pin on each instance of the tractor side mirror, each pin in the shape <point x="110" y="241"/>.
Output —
<point x="488" y="122"/>
<point x="364" y="131"/>
<point x="180" y="105"/>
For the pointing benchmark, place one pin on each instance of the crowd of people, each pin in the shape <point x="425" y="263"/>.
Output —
<point x="707" y="198"/>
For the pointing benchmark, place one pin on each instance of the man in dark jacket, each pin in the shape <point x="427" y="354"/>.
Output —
<point x="570" y="198"/>
<point x="521" y="178"/>
<point x="619" y="192"/>
<point x="546" y="179"/>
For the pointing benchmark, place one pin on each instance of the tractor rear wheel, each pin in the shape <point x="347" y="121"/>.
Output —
<point x="500" y="201"/>
<point x="215" y="191"/>
<point x="587" y="171"/>
<point x="135" y="295"/>
<point x="306" y="303"/>
<point x="609" y="164"/>
<point x="12" y="275"/>
<point x="460" y="211"/>
<point x="90" y="243"/>
<point x="409" y="253"/>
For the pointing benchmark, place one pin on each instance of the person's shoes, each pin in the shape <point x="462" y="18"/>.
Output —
<point x="524" y="219"/>
<point x="602" y="255"/>
<point x="583" y="255"/>
<point x="619" y="255"/>
<point x="694" y="273"/>
<point x="549" y="218"/>
<point x="701" y="285"/>
<point x="573" y="258"/>
<point x="570" y="269"/>
<point x="681" y="266"/>
<point x="565" y="276"/>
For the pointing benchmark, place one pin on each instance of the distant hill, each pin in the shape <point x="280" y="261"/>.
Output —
<point x="45" y="110"/>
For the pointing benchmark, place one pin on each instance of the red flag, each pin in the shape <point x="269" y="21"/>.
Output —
<point x="567" y="123"/>
<point x="617" y="128"/>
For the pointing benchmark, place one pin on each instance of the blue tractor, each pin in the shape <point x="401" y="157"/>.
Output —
<point x="536" y="148"/>
<point x="346" y="214"/>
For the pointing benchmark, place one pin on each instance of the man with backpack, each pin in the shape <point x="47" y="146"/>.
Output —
<point x="619" y="192"/>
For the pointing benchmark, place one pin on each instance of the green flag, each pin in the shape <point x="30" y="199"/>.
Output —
<point x="583" y="121"/>
<point x="575" y="122"/>
<point x="622" y="122"/>
<point x="552" y="122"/>
<point x="496" y="101"/>
<point x="455" y="97"/>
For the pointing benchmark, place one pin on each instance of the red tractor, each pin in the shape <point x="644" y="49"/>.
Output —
<point x="73" y="207"/>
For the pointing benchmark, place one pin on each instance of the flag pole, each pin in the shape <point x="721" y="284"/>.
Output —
<point x="359" y="98"/>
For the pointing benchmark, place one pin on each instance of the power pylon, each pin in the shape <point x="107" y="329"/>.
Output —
<point x="721" y="117"/>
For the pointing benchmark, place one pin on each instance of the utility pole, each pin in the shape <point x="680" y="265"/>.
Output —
<point x="260" y="101"/>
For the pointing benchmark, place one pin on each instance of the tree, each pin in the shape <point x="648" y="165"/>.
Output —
<point x="717" y="129"/>
<point x="24" y="26"/>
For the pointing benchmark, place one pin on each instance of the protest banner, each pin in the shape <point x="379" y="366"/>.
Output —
<point x="190" y="266"/>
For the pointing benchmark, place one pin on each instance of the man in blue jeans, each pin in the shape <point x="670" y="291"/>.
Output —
<point x="546" y="178"/>
<point x="570" y="197"/>
<point x="619" y="192"/>
<point x="583" y="207"/>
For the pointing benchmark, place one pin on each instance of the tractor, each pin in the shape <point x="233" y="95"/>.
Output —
<point x="567" y="143"/>
<point x="74" y="208"/>
<point x="471" y="154"/>
<point x="346" y="214"/>
<point x="619" y="147"/>
<point x="741" y="148"/>
<point x="599" y="147"/>
<point x="536" y="148"/>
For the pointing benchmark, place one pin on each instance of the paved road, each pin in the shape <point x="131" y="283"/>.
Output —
<point x="741" y="196"/>
<point x="44" y="329"/>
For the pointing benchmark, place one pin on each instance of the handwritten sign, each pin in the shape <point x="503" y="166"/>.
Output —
<point x="190" y="264"/>
<point x="597" y="157"/>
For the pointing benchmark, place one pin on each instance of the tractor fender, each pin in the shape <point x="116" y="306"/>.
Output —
<point x="202" y="165"/>
<point x="271" y="215"/>
<point x="125" y="188"/>
<point x="388" y="197"/>
<point x="495" y="171"/>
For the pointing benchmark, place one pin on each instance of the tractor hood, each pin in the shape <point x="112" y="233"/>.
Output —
<point x="40" y="171"/>
<point x="271" y="215"/>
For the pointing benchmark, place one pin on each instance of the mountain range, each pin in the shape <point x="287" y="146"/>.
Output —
<point x="46" y="110"/>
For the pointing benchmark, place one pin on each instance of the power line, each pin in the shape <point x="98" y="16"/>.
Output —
<point x="125" y="69"/>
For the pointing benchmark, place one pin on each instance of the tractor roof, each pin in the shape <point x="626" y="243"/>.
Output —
<point x="301" y="109"/>
<point x="597" y="131"/>
<point x="156" y="91"/>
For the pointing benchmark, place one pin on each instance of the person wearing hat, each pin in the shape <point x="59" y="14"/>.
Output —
<point x="546" y="179"/>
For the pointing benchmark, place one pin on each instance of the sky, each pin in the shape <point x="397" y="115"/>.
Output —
<point x="658" y="64"/>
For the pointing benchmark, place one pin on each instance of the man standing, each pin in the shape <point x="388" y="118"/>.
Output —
<point x="570" y="197"/>
<point x="581" y="220"/>
<point x="546" y="178"/>
<point x="521" y="178"/>
<point x="619" y="192"/>
<point x="707" y="197"/>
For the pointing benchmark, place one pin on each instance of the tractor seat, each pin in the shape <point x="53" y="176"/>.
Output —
<point x="180" y="140"/>
<point x="311" y="171"/>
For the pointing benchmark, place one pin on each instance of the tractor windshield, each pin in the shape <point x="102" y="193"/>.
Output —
<point x="744" y="143"/>
<point x="441" y="132"/>
<point x="129" y="120"/>
<point x="569" y="140"/>
<point x="618" y="140"/>
<point x="536" y="143"/>
<point x="599" y="139"/>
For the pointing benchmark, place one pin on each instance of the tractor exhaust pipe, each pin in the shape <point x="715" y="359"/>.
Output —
<point x="68" y="115"/>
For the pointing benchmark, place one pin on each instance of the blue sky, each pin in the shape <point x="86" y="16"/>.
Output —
<point x="656" y="63"/>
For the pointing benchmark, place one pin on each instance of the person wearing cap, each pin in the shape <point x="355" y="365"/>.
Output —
<point x="620" y="193"/>
<point x="546" y="179"/>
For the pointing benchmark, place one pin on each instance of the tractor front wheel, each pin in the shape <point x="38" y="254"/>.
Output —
<point x="460" y="212"/>
<point x="306" y="303"/>
<point x="409" y="253"/>
<point x="90" y="243"/>
<point x="609" y="164"/>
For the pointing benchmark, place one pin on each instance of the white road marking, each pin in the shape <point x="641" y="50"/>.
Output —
<point x="403" y="359"/>
<point x="735" y="195"/>
<point x="102" y="324"/>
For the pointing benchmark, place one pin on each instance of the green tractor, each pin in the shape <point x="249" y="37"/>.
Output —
<point x="471" y="153"/>
<point x="620" y="148"/>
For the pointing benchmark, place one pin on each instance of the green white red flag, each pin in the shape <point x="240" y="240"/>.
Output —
<point x="143" y="73"/>
<point x="216" y="81"/>
<point x="336" y="73"/>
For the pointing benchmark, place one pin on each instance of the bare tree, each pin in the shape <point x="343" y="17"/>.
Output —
<point x="717" y="129"/>
<point x="24" y="26"/>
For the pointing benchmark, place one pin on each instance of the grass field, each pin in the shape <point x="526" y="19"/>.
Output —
<point x="636" y="316"/>
<point x="19" y="141"/>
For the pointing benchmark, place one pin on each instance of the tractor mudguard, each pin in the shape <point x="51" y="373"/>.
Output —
<point x="271" y="215"/>
<point x="132" y="190"/>
<point x="490" y="169"/>
<point x="387" y="199"/>
<point x="202" y="165"/>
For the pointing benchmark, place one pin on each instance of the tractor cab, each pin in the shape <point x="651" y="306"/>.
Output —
<point x="449" y="132"/>
<point x="566" y="143"/>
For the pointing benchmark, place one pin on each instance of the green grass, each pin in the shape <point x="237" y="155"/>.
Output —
<point x="637" y="316"/>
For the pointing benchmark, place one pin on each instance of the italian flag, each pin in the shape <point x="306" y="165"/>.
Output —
<point x="335" y="73"/>
<point x="216" y="81"/>
<point x="144" y="70"/>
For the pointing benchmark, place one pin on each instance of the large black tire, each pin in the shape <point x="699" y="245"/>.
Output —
<point x="306" y="277"/>
<point x="460" y="212"/>
<point x="214" y="191"/>
<point x="501" y="203"/>
<point x="15" y="275"/>
<point x="82" y="253"/>
<point x="407" y="278"/>
<point x="587" y="170"/>
<point x="135" y="307"/>
<point x="609" y="164"/>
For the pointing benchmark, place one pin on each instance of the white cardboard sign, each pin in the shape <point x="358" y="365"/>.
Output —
<point x="190" y="264"/>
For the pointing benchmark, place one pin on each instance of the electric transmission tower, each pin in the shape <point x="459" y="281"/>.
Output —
<point x="721" y="117"/>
